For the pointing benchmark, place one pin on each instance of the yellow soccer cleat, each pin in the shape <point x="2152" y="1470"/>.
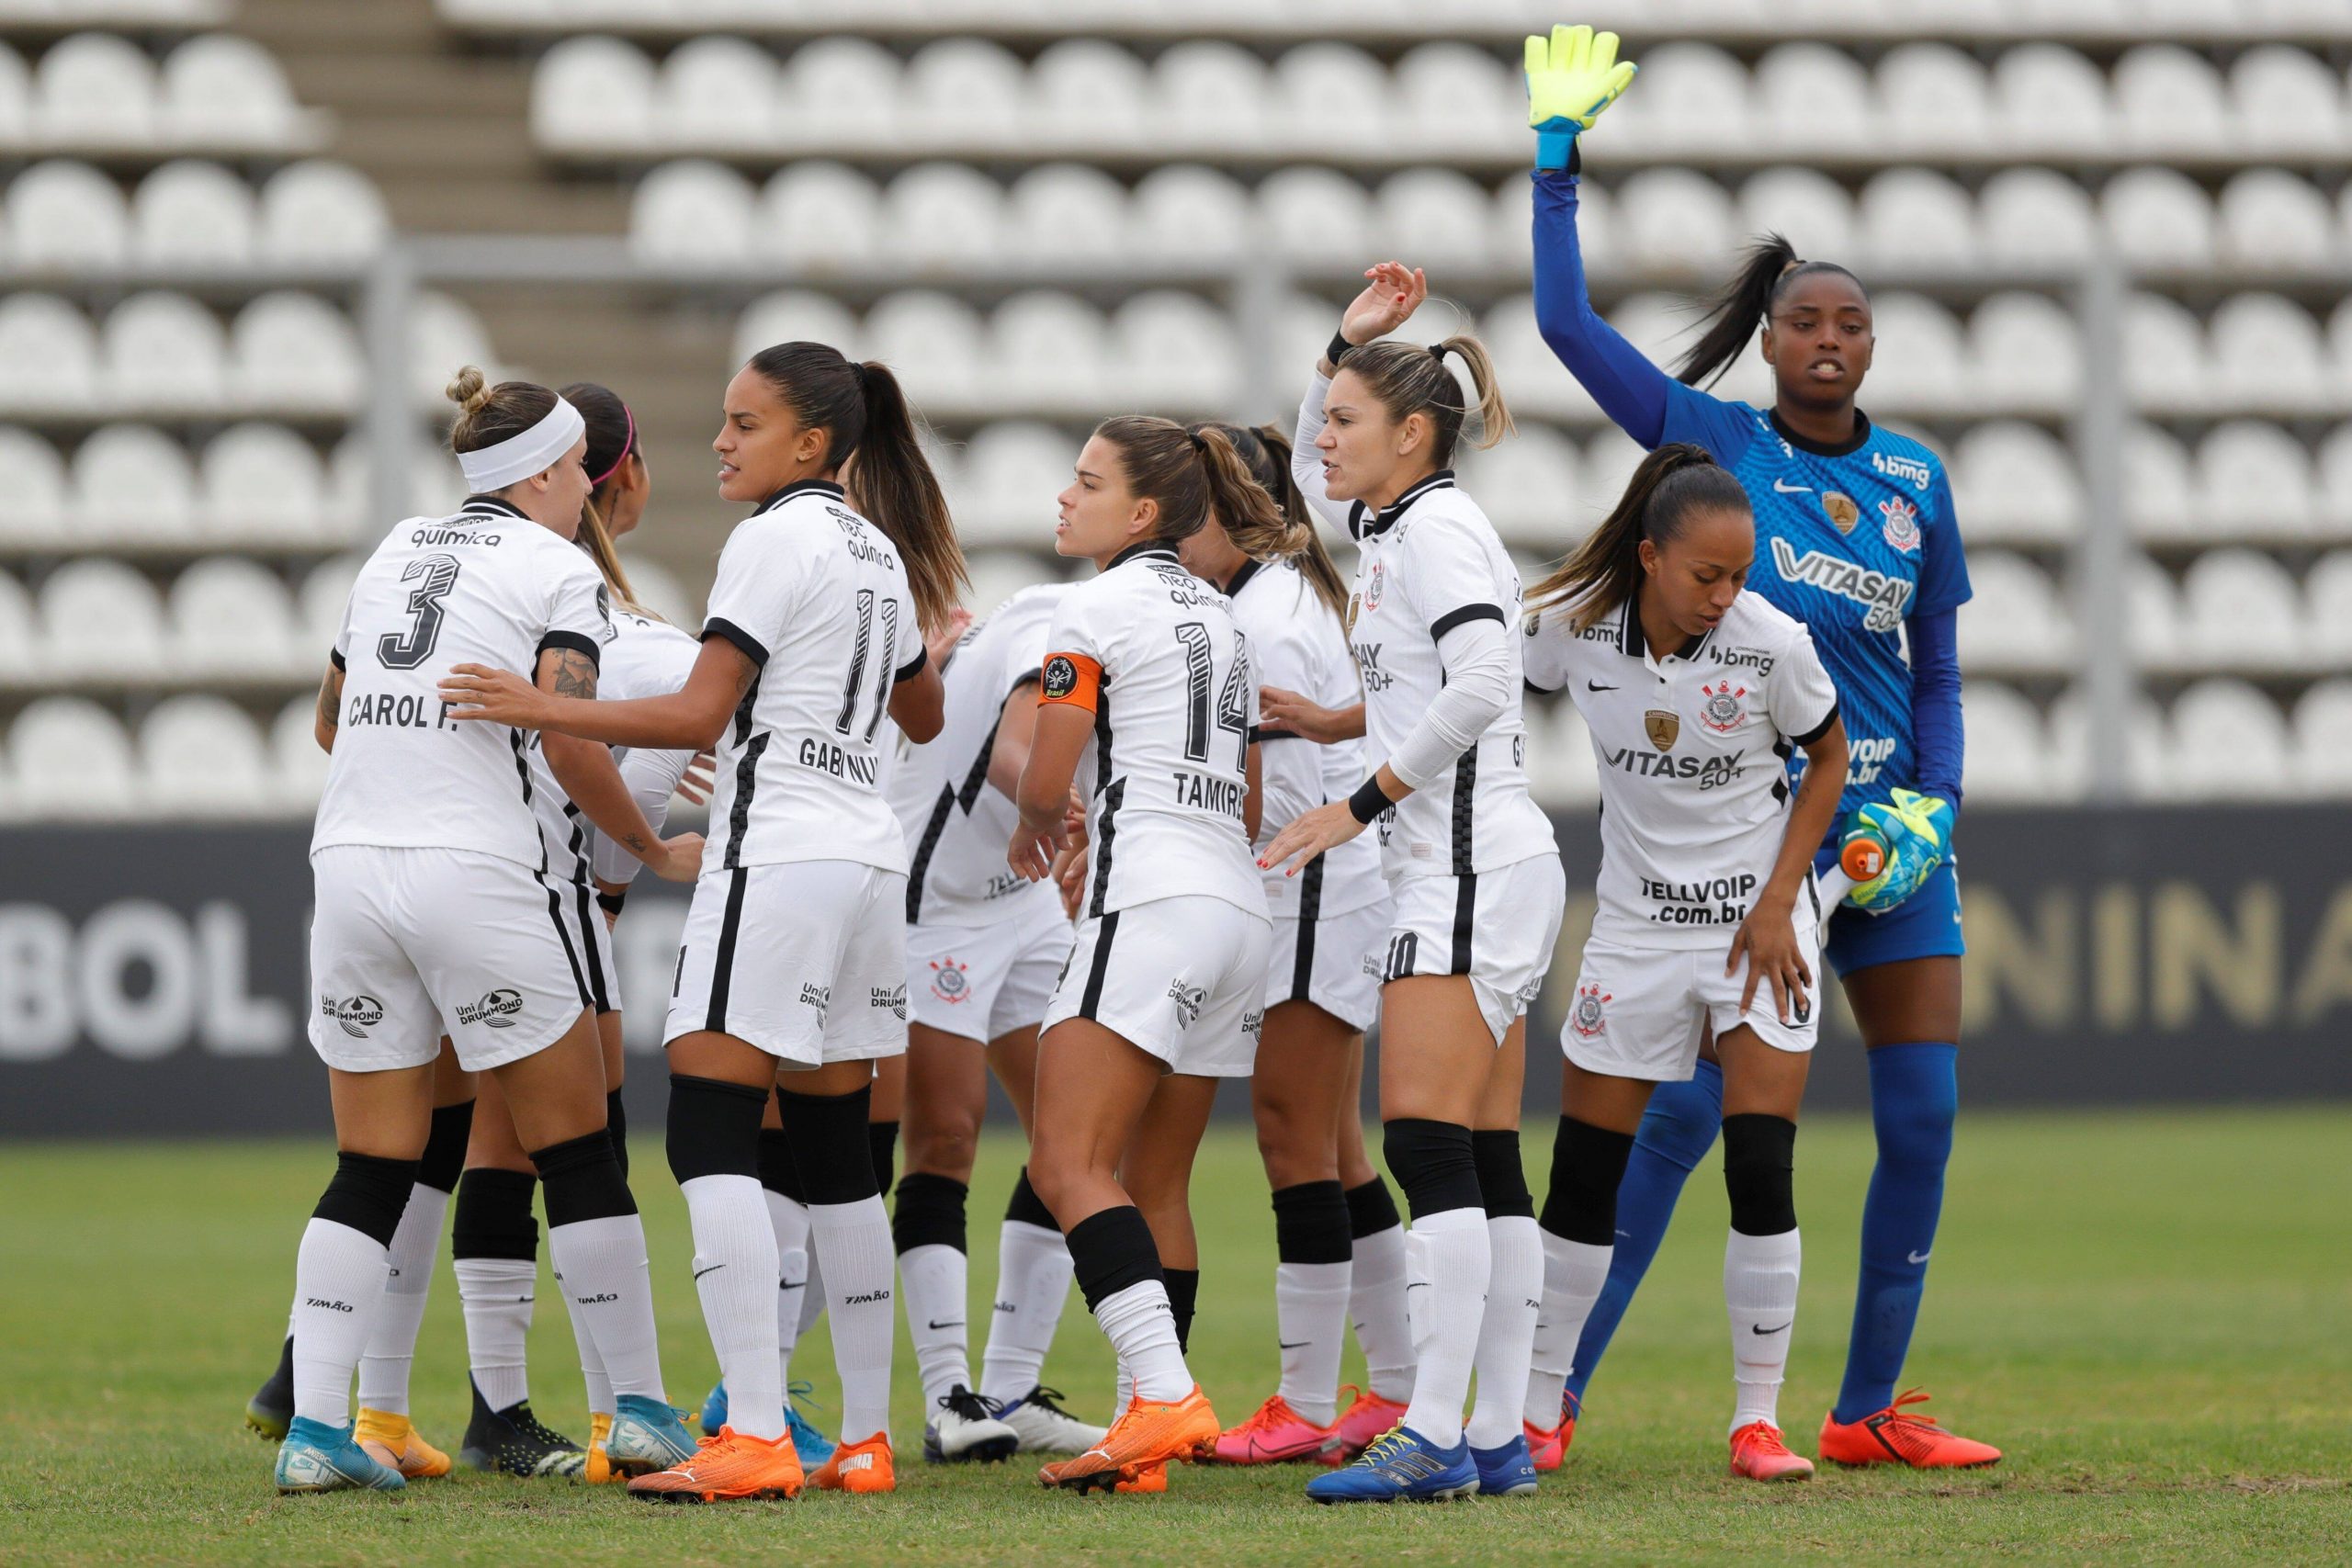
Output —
<point x="391" y="1441"/>
<point x="599" y="1469"/>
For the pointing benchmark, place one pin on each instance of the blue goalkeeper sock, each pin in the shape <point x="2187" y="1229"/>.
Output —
<point x="1675" y="1134"/>
<point x="1915" y="1093"/>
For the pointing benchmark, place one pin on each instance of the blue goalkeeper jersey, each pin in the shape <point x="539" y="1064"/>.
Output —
<point x="1851" y="541"/>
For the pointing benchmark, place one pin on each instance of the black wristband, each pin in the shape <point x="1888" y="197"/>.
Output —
<point x="1369" y="801"/>
<point x="610" y="902"/>
<point x="1337" y="348"/>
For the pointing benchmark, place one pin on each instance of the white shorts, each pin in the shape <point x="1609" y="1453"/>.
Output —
<point x="1183" y="978"/>
<point x="982" y="982"/>
<point x="806" y="960"/>
<point x="1332" y="960"/>
<point x="1638" y="1012"/>
<point x="409" y="944"/>
<point x="1498" y="926"/>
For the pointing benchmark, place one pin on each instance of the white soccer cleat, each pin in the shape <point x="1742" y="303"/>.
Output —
<point x="965" y="1431"/>
<point x="1045" y="1427"/>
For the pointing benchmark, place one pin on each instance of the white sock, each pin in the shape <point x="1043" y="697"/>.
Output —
<point x="936" y="1279"/>
<point x="497" y="1294"/>
<point x="608" y="1286"/>
<point x="1311" y="1325"/>
<point x="812" y="1294"/>
<point x="1447" y="1257"/>
<point x="1506" y="1333"/>
<point x="1376" y="1304"/>
<point x="1033" y="1277"/>
<point x="1123" y="1383"/>
<point x="735" y="1275"/>
<point x="1574" y="1272"/>
<point x="338" y="1287"/>
<point x="1142" y="1329"/>
<point x="391" y="1346"/>
<point x="789" y="1222"/>
<point x="853" y="1240"/>
<point x="598" y="1382"/>
<point x="1761" y="1290"/>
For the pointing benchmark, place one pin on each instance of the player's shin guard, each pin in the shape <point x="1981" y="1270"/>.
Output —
<point x="714" y="1146"/>
<point x="339" y="1276"/>
<point x="1760" y="1259"/>
<point x="391" y="1344"/>
<point x="1311" y="1295"/>
<point x="1514" y="1284"/>
<point x="1376" y="1291"/>
<point x="852" y="1235"/>
<point x="1579" y="1230"/>
<point x="1118" y="1269"/>
<point x="1032" y="1279"/>
<point x="1676" y="1131"/>
<point x="1448" y="1255"/>
<point x="928" y="1231"/>
<point x="597" y="1244"/>
<point x="495" y="1251"/>
<point x="1914" y="1097"/>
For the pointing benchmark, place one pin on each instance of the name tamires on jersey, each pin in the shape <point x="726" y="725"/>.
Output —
<point x="486" y="585"/>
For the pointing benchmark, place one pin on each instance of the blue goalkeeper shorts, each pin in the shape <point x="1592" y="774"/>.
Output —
<point x="1925" y="925"/>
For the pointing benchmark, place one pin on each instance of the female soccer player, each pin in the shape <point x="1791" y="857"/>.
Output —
<point x="1146" y="705"/>
<point x="434" y="914"/>
<point x="1857" y="524"/>
<point x="794" y="950"/>
<point x="1470" y="861"/>
<point x="1320" y="996"/>
<point x="1693" y="691"/>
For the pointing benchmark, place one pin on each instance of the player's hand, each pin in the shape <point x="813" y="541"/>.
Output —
<point x="678" y="859"/>
<point x="1069" y="874"/>
<point x="1034" y="846"/>
<point x="942" y="638"/>
<point x="1768" y="941"/>
<point x="701" y="774"/>
<point x="1287" y="713"/>
<point x="1310" y="834"/>
<point x="496" y="696"/>
<point x="1394" y="293"/>
<point x="1571" y="77"/>
<point x="1917" y="828"/>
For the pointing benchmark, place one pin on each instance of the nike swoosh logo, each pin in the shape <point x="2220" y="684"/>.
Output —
<point x="1597" y="686"/>
<point x="958" y="1323"/>
<point x="712" y="1269"/>
<point x="783" y="1285"/>
<point x="1921" y="1257"/>
<point x="1752" y="1328"/>
<point x="1791" y="489"/>
<point x="1300" y="1346"/>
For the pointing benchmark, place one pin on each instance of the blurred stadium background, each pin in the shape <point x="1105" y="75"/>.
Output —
<point x="242" y="245"/>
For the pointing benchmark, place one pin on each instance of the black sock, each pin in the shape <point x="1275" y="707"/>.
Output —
<point x="1183" y="1295"/>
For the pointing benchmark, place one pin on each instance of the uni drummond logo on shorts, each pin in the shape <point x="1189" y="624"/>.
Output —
<point x="495" y="1010"/>
<point x="893" y="997"/>
<point x="818" y="996"/>
<point x="354" y="1015"/>
<point x="1189" y="1000"/>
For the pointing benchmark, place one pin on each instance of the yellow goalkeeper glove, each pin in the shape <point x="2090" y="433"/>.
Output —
<point x="1571" y="77"/>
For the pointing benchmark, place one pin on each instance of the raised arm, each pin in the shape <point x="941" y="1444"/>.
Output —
<point x="590" y="780"/>
<point x="1629" y="390"/>
<point x="688" y="719"/>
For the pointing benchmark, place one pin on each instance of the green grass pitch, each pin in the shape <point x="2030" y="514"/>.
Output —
<point x="2152" y="1311"/>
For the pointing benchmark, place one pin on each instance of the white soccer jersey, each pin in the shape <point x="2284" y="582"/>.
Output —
<point x="646" y="657"/>
<point x="957" y="827"/>
<point x="1154" y="652"/>
<point x="485" y="586"/>
<point x="1693" y="752"/>
<point x="1297" y="643"/>
<point x="814" y="595"/>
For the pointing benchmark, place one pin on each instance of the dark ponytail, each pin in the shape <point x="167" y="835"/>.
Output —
<point x="1195" y="471"/>
<point x="1604" y="572"/>
<point x="1744" y="304"/>
<point x="876" y="448"/>
<point x="611" y="439"/>
<point x="1266" y="449"/>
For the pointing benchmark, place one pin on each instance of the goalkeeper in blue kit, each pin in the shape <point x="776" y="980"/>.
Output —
<point x="1856" y="538"/>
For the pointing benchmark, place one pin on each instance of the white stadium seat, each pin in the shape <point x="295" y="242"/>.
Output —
<point x="1088" y="96"/>
<point x="192" y="214"/>
<point x="1916" y="220"/>
<point x="133" y="484"/>
<point x="2254" y="480"/>
<point x="66" y="215"/>
<point x="1932" y="99"/>
<point x="262" y="483"/>
<point x="843" y="90"/>
<point x="2240" y="610"/>
<point x="95" y="90"/>
<point x="1174" y="351"/>
<point x="1067" y="216"/>
<point x="2334" y="504"/>
<point x="2268" y="353"/>
<point x="2167" y="102"/>
<point x="296" y="767"/>
<point x="717" y="93"/>
<point x="2152" y="616"/>
<point x="2157" y="485"/>
<point x="200" y="756"/>
<point x="1692" y="95"/>
<point x="1920" y="362"/>
<point x="946" y="217"/>
<point x="1609" y="459"/>
<point x="794" y="315"/>
<point x="318" y="213"/>
<point x="692" y="215"/>
<point x="2158" y="218"/>
<point x="2032" y="217"/>
<point x="1513" y="218"/>
<point x="941" y="342"/>
<point x="2323" y="725"/>
<point x="100" y="620"/>
<point x="1209" y="96"/>
<point x="49" y="356"/>
<point x="1048" y="349"/>
<point x="1326" y="98"/>
<point x="1452" y="100"/>
<point x="2048" y="101"/>
<point x="2340" y="346"/>
<point x="2269" y="218"/>
<point x="2147" y="749"/>
<point x="997" y="575"/>
<point x="1809" y="97"/>
<point x="819" y="218"/>
<point x="72" y="760"/>
<point x="2024" y="355"/>
<point x="1190" y="214"/>
<point x="1438" y="217"/>
<point x="16" y="100"/>
<point x="2017" y="622"/>
<point x="224" y="91"/>
<point x="1012" y="476"/>
<point x="2163" y="355"/>
<point x="1805" y="205"/>
<point x="229" y="618"/>
<point x="2014" y="483"/>
<point x="319" y="602"/>
<point x="592" y="93"/>
<point x="442" y="333"/>
<point x="1674" y="221"/>
<point x="2328" y="606"/>
<point x="2006" y="761"/>
<point x="32" y="503"/>
<point x="293" y="351"/>
<point x="20" y="652"/>
<point x="658" y="589"/>
<point x="2228" y="740"/>
<point x="1315" y="217"/>
<point x="2285" y="101"/>
<point x="1530" y="485"/>
<point x="963" y="91"/>
<point x="163" y="351"/>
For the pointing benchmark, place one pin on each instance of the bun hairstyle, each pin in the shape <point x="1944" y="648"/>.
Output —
<point x="1408" y="379"/>
<point x="1745" y="303"/>
<point x="1188" y="471"/>
<point x="612" y="436"/>
<point x="1265" y="449"/>
<point x="487" y="414"/>
<point x="1604" y="572"/>
<point x="875" y="445"/>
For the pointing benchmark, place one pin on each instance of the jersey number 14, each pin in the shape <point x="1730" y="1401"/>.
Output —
<point x="1232" y="699"/>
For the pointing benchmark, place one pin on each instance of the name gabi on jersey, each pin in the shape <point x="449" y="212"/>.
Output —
<point x="410" y="712"/>
<point x="824" y="757"/>
<point x="1711" y="773"/>
<point x="1717" y="901"/>
<point x="1883" y="594"/>
<point x="1201" y="792"/>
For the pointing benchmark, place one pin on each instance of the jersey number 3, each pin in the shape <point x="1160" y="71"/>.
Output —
<point x="1232" y="699"/>
<point x="406" y="650"/>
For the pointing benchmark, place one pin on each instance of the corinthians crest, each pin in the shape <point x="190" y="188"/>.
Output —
<point x="1722" y="710"/>
<point x="1664" y="725"/>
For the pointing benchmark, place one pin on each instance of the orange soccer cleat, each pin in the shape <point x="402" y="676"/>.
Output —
<point x="1894" y="1436"/>
<point x="1148" y="1434"/>
<point x="1758" y="1454"/>
<point x="1150" y="1478"/>
<point x="859" y="1467"/>
<point x="1274" y="1433"/>
<point x="1548" y="1446"/>
<point x="1360" y="1424"/>
<point x="390" y="1440"/>
<point x="724" y="1468"/>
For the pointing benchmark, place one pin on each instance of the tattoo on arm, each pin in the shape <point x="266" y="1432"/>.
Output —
<point x="575" y="674"/>
<point x="637" y="841"/>
<point x="331" y="699"/>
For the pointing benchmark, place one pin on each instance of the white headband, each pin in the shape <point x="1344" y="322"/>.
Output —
<point x="535" y="451"/>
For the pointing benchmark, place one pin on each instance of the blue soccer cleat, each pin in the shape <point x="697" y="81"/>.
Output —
<point x="1400" y="1466"/>
<point x="316" y="1457"/>
<point x="813" y="1446"/>
<point x="648" y="1435"/>
<point x="1508" y="1471"/>
<point x="714" y="1409"/>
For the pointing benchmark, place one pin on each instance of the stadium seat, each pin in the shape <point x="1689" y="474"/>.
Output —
<point x="1609" y="459"/>
<point x="997" y="575"/>
<point x="2240" y="610"/>
<point x="1932" y="99"/>
<point x="1189" y="214"/>
<point x="2287" y="102"/>
<point x="2158" y="218"/>
<point x="715" y="93"/>
<point x="1809" y="97"/>
<point x="71" y="761"/>
<point x="1530" y="486"/>
<point x="2228" y="740"/>
<point x="1915" y="220"/>
<point x="2333" y="515"/>
<point x="1658" y="324"/>
<point x="2254" y="480"/>
<point x="230" y="619"/>
<point x="1087" y="96"/>
<point x="1920" y="364"/>
<point x="692" y="216"/>
<point x="1806" y="205"/>
<point x="296" y="767"/>
<point x="2164" y="365"/>
<point x="1437" y="216"/>
<point x="100" y="621"/>
<point x="2339" y="347"/>
<point x="49" y="356"/>
<point x="295" y="352"/>
<point x="2023" y="355"/>
<point x="199" y="756"/>
<point x="1049" y="350"/>
<point x="95" y="90"/>
<point x="593" y="94"/>
<point x="32" y="503"/>
<point x="2269" y="218"/>
<point x="2048" y="101"/>
<point x="1315" y="217"/>
<point x="2268" y="353"/>
<point x="1013" y="473"/>
<point x="194" y="215"/>
<point x="840" y="90"/>
<point x="943" y="217"/>
<point x="659" y="590"/>
<point x="794" y="315"/>
<point x="2153" y="617"/>
<point x="1674" y="222"/>
<point x="1062" y="217"/>
<point x="2034" y="218"/>
<point x="224" y="91"/>
<point x="2017" y="622"/>
<point x="132" y="484"/>
<point x="965" y="92"/>
<point x="1326" y="99"/>
<point x="2006" y="761"/>
<point x="16" y="100"/>
<point x="263" y="484"/>
<point x="318" y="213"/>
<point x="2323" y="727"/>
<point x="1440" y="93"/>
<point x="940" y="343"/>
<point x="2158" y="485"/>
<point x="163" y="351"/>
<point x="319" y="602"/>
<point x="2013" y="483"/>
<point x="20" y="651"/>
<point x="2147" y="749"/>
<point x="2167" y="102"/>
<point x="1209" y="96"/>
<point x="1174" y="352"/>
<point x="819" y="217"/>
<point x="1692" y="95"/>
<point x="65" y="216"/>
